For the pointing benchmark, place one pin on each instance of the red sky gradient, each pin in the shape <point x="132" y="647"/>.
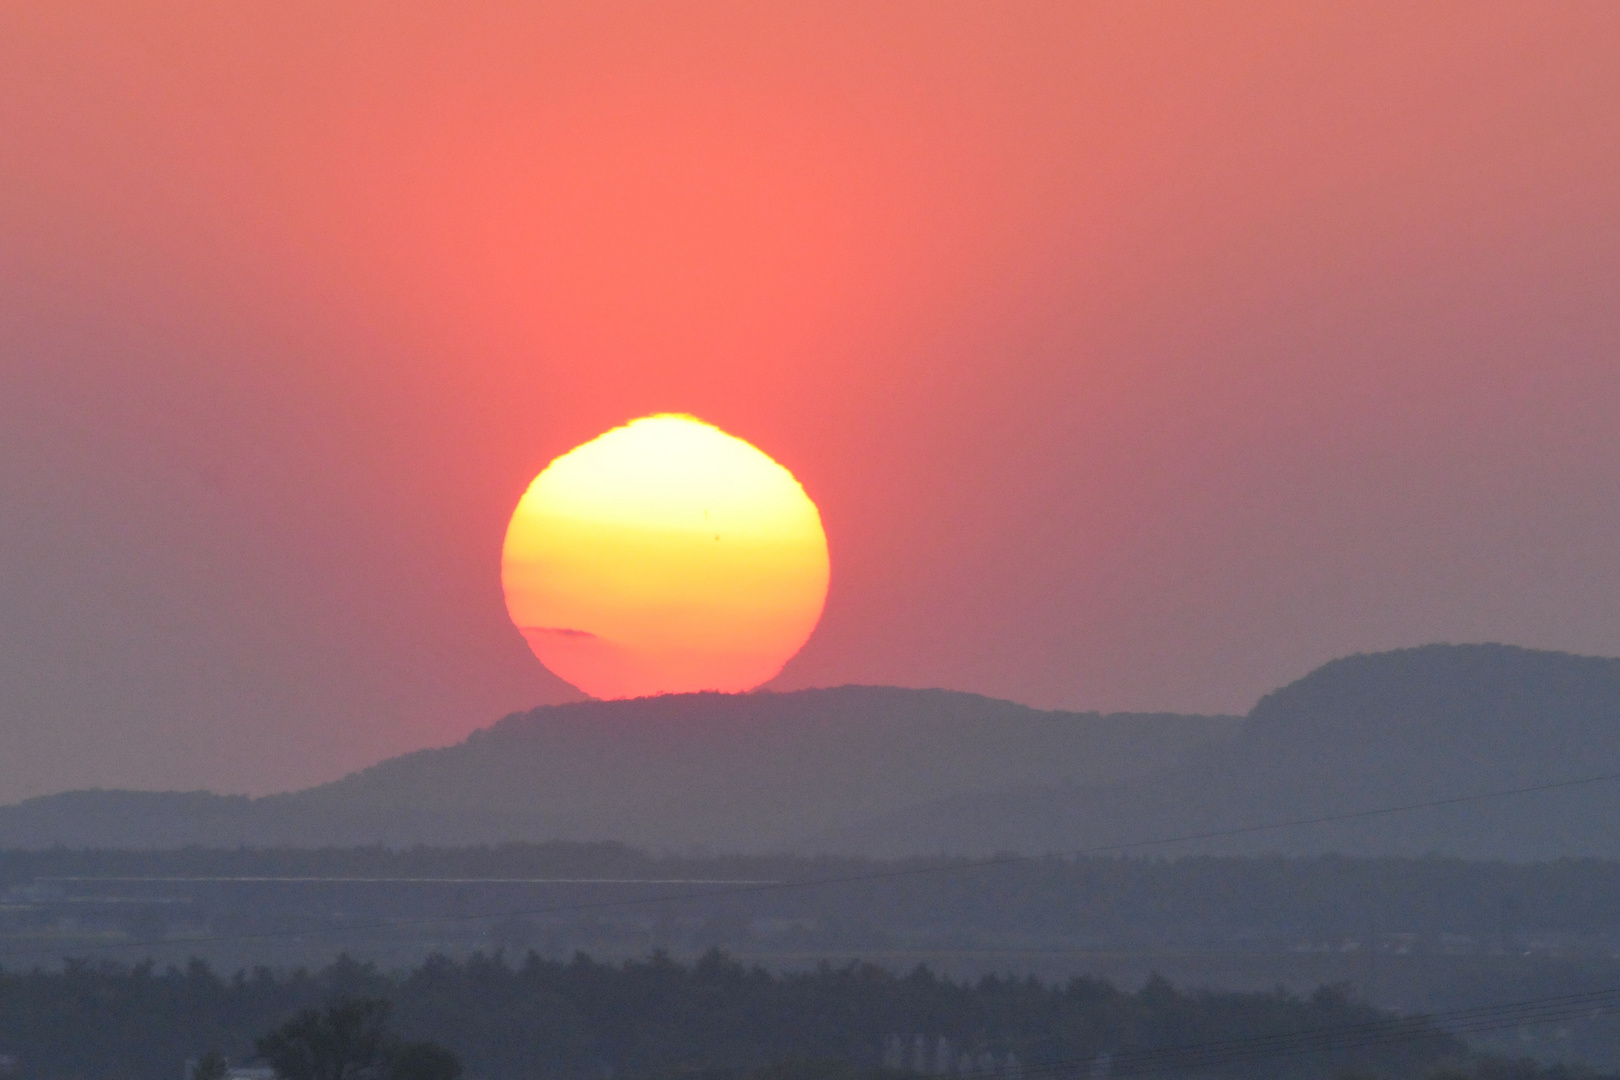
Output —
<point x="1138" y="356"/>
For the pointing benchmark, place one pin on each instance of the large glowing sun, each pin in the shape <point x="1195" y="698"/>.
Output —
<point x="664" y="557"/>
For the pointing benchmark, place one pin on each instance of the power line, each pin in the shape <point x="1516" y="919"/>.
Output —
<point x="244" y="879"/>
<point x="845" y="879"/>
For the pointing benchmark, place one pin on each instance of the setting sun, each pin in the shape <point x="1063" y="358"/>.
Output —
<point x="665" y="557"/>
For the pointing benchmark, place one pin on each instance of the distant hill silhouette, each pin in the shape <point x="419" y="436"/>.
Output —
<point x="1363" y="732"/>
<point x="883" y="771"/>
<point x="749" y="772"/>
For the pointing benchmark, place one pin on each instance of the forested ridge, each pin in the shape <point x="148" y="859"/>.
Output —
<point x="656" y="1017"/>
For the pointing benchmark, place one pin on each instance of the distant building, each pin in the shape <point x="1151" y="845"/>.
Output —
<point x="938" y="1056"/>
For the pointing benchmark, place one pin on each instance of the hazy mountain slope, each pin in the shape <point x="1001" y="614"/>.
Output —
<point x="734" y="772"/>
<point x="882" y="771"/>
<point x="1362" y="732"/>
<point x="128" y="819"/>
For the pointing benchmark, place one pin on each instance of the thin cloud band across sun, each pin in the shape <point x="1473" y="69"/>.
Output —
<point x="665" y="556"/>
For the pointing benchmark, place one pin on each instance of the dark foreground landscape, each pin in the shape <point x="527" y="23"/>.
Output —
<point x="718" y="1018"/>
<point x="1412" y="936"/>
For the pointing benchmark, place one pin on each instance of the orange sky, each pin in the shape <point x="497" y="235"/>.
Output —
<point x="1137" y="356"/>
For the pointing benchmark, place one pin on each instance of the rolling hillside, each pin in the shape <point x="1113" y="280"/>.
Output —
<point x="888" y="772"/>
<point x="744" y="772"/>
<point x="1364" y="732"/>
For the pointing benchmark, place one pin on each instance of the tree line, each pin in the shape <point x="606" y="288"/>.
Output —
<point x="714" y="1018"/>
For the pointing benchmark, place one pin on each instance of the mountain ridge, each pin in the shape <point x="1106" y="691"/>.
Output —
<point x="746" y="772"/>
<point x="884" y="771"/>
<point x="1357" y="734"/>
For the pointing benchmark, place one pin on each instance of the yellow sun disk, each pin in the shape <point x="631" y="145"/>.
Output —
<point x="665" y="556"/>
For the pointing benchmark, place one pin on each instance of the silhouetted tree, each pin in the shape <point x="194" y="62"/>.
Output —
<point x="211" y="1066"/>
<point x="351" y="1041"/>
<point x="422" y="1061"/>
<point x="346" y="1041"/>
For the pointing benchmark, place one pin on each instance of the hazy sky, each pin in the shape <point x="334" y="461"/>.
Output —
<point x="1138" y="356"/>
